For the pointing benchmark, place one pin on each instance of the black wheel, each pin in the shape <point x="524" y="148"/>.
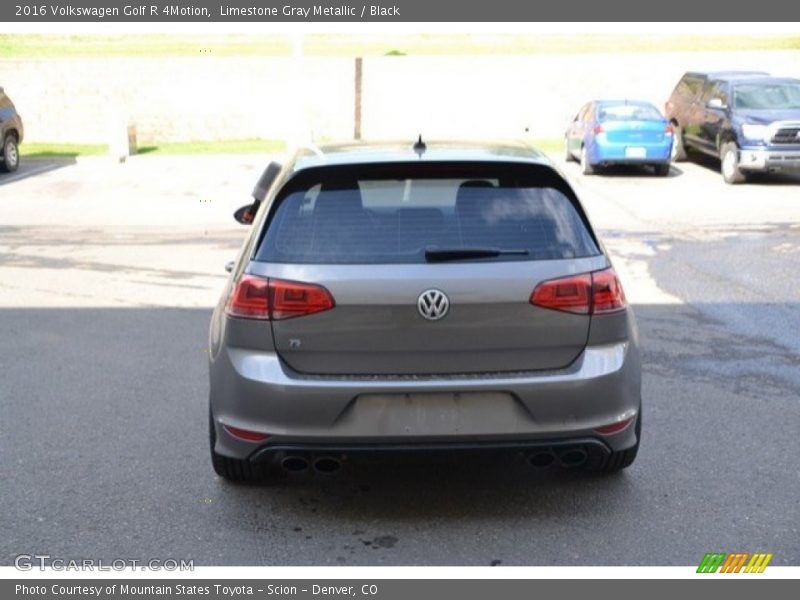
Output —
<point x="678" y="148"/>
<point x="232" y="469"/>
<point x="616" y="461"/>
<point x="662" y="170"/>
<point x="586" y="166"/>
<point x="729" y="157"/>
<point x="10" y="154"/>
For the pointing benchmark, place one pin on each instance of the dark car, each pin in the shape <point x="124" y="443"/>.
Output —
<point x="749" y="120"/>
<point x="440" y="296"/>
<point x="619" y="132"/>
<point x="10" y="132"/>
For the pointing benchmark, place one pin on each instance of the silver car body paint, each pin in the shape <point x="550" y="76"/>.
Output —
<point x="373" y="371"/>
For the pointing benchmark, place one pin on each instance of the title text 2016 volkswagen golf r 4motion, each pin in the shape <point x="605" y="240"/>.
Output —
<point x="447" y="296"/>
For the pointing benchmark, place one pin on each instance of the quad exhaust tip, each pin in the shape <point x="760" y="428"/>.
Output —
<point x="568" y="458"/>
<point x="324" y="465"/>
<point x="328" y="465"/>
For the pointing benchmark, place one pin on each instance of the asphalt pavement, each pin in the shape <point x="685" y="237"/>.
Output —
<point x="107" y="276"/>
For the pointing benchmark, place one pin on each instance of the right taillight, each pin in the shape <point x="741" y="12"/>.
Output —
<point x="569" y="294"/>
<point x="594" y="293"/>
<point x="607" y="294"/>
<point x="275" y="299"/>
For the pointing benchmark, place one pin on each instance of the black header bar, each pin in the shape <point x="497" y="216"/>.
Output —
<point x="397" y="11"/>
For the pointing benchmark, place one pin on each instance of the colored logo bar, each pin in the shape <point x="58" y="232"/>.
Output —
<point x="736" y="562"/>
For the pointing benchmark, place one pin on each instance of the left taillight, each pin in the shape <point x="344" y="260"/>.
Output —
<point x="294" y="299"/>
<point x="594" y="293"/>
<point x="249" y="298"/>
<point x="274" y="299"/>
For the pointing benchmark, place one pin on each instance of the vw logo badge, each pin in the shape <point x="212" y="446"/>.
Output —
<point x="433" y="304"/>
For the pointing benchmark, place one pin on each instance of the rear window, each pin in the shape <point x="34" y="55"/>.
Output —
<point x="374" y="219"/>
<point x="629" y="112"/>
<point x="690" y="86"/>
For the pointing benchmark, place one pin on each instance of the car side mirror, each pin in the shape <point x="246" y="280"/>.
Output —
<point x="245" y="214"/>
<point x="716" y="103"/>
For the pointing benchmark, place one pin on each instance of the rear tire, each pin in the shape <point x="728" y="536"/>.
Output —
<point x="586" y="166"/>
<point x="729" y="157"/>
<point x="622" y="459"/>
<point x="678" y="148"/>
<point x="232" y="469"/>
<point x="10" y="154"/>
<point x="662" y="170"/>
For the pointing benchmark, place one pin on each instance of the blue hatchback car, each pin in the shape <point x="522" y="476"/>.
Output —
<point x="607" y="132"/>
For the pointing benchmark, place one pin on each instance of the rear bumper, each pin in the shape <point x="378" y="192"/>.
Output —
<point x="605" y="152"/>
<point x="256" y="391"/>
<point x="757" y="158"/>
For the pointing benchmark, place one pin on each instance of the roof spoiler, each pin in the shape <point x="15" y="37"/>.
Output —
<point x="265" y="181"/>
<point x="246" y="214"/>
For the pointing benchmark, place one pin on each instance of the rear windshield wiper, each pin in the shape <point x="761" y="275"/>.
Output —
<point x="445" y="254"/>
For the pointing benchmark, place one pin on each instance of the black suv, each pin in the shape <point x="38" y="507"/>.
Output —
<point x="10" y="134"/>
<point x="749" y="120"/>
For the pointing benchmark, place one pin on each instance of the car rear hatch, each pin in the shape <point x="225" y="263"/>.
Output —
<point x="633" y="123"/>
<point x="476" y="238"/>
<point x="635" y="132"/>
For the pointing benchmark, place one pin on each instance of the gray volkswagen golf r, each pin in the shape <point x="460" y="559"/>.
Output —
<point x="405" y="297"/>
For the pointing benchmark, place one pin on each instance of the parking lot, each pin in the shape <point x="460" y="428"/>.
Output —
<point x="107" y="277"/>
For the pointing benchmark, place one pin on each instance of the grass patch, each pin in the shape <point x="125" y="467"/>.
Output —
<point x="548" y="144"/>
<point x="44" y="150"/>
<point x="349" y="45"/>
<point x="145" y="46"/>
<point x="522" y="44"/>
<point x="252" y="146"/>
